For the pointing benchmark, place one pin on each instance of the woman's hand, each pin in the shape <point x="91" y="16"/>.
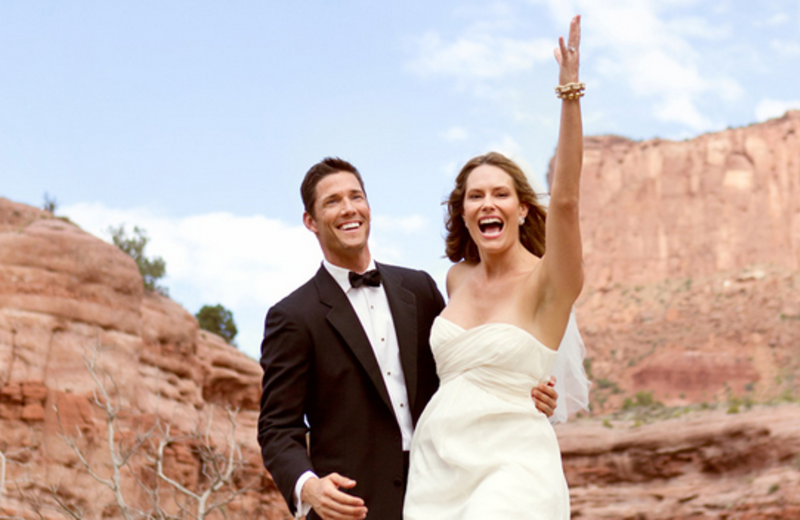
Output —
<point x="568" y="55"/>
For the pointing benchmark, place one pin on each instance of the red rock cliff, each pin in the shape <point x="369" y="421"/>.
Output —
<point x="692" y="301"/>
<point x="65" y="293"/>
<point x="692" y="254"/>
<point x="660" y="209"/>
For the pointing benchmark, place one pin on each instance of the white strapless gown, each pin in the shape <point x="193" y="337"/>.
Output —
<point x="481" y="450"/>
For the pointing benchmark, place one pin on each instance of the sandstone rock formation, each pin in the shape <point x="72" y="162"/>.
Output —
<point x="660" y="209"/>
<point x="708" y="339"/>
<point x="692" y="300"/>
<point x="701" y="465"/>
<point x="65" y="294"/>
<point x="692" y="254"/>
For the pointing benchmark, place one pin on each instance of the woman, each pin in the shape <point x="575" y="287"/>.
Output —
<point x="481" y="449"/>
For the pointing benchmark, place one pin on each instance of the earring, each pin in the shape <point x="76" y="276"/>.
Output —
<point x="521" y="220"/>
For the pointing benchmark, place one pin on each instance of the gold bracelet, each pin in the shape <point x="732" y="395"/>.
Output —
<point x="570" y="90"/>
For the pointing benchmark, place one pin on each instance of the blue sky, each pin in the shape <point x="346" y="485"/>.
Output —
<point x="197" y="120"/>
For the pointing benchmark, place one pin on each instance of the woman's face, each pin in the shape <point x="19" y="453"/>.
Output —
<point x="492" y="208"/>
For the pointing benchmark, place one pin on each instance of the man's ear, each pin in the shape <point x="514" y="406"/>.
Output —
<point x="309" y="222"/>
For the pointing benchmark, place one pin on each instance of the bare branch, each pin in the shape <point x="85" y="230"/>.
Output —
<point x="74" y="447"/>
<point x="117" y="463"/>
<point x="59" y="505"/>
<point x="63" y="507"/>
<point x="160" y="467"/>
<point x="217" y="464"/>
<point x="141" y="438"/>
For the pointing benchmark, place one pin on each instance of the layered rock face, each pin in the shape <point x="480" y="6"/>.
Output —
<point x="701" y="465"/>
<point x="692" y="300"/>
<point x="692" y="254"/>
<point x="66" y="298"/>
<point x="692" y="296"/>
<point x="658" y="209"/>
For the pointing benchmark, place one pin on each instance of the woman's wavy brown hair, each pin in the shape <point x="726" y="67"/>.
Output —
<point x="459" y="245"/>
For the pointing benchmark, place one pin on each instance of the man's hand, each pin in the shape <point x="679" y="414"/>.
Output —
<point x="545" y="396"/>
<point x="323" y="495"/>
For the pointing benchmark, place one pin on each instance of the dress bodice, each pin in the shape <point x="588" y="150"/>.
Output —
<point x="481" y="449"/>
<point x="499" y="357"/>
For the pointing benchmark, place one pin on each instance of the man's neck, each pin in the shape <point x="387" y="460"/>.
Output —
<point x="357" y="263"/>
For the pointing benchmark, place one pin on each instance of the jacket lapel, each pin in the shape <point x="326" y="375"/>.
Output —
<point x="343" y="319"/>
<point x="403" y="305"/>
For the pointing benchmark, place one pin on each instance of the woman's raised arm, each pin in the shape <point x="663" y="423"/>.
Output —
<point x="562" y="264"/>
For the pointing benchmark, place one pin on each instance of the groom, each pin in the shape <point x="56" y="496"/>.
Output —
<point x="347" y="365"/>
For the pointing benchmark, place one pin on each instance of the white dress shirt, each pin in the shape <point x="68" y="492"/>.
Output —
<point x="372" y="308"/>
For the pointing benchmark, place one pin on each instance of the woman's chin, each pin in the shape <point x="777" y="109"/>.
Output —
<point x="492" y="246"/>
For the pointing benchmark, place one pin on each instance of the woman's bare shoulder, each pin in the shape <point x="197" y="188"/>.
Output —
<point x="457" y="274"/>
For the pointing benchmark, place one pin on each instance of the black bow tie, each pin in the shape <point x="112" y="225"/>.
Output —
<point x="370" y="278"/>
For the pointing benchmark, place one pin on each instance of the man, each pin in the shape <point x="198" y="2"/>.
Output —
<point x="346" y="360"/>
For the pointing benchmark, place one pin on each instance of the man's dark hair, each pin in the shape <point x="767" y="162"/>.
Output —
<point x="327" y="166"/>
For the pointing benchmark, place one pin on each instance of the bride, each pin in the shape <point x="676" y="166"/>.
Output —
<point x="481" y="448"/>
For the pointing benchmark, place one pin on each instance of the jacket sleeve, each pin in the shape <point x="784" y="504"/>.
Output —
<point x="436" y="295"/>
<point x="285" y="360"/>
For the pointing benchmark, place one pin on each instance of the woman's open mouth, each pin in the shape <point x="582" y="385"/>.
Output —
<point x="490" y="226"/>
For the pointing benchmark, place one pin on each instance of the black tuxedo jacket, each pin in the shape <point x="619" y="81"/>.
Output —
<point x="319" y="367"/>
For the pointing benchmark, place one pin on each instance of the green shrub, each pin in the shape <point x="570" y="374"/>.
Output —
<point x="151" y="269"/>
<point x="50" y="205"/>
<point x="642" y="399"/>
<point x="219" y="320"/>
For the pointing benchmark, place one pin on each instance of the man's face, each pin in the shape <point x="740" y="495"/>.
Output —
<point x="341" y="217"/>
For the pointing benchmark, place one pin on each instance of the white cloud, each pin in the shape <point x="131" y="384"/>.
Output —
<point x="451" y="169"/>
<point x="770" y="108"/>
<point x="561" y="10"/>
<point x="454" y="133"/>
<point x="776" y="20"/>
<point x="655" y="48"/>
<point x="393" y="238"/>
<point x="785" y="48"/>
<point x="509" y="147"/>
<point x="665" y="53"/>
<point x="477" y="55"/>
<point x="405" y="225"/>
<point x="681" y="109"/>
<point x="245" y="263"/>
<point x="659" y="55"/>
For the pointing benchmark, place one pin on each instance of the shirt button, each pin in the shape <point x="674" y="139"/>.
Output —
<point x="388" y="373"/>
<point x="398" y="482"/>
<point x="383" y="339"/>
<point x="401" y="405"/>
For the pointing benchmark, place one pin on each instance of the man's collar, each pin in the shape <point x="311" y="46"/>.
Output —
<point x="341" y="275"/>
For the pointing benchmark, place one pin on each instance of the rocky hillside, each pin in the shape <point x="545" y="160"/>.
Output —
<point x="657" y="210"/>
<point x="67" y="297"/>
<point x="685" y="464"/>
<point x="692" y="253"/>
<point x="691" y="316"/>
